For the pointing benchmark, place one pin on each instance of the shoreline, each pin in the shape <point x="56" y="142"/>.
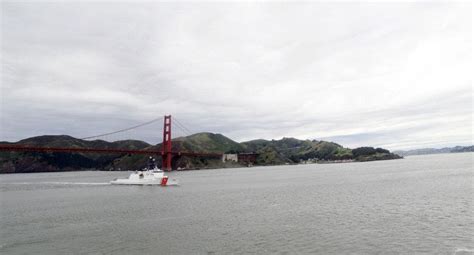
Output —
<point x="322" y="162"/>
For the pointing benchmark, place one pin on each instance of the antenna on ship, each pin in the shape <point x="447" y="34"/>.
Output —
<point x="151" y="163"/>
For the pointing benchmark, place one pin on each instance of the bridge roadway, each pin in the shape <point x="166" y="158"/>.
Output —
<point x="8" y="147"/>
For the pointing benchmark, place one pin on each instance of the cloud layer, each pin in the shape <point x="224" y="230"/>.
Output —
<point x="390" y="75"/>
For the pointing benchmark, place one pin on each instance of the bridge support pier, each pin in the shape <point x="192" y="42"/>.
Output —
<point x="166" y="152"/>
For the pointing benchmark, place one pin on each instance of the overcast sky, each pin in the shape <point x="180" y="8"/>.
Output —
<point x="393" y="75"/>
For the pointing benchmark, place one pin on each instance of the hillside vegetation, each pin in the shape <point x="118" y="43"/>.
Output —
<point x="291" y="150"/>
<point x="274" y="152"/>
<point x="14" y="162"/>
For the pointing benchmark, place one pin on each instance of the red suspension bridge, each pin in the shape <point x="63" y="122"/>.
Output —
<point x="167" y="153"/>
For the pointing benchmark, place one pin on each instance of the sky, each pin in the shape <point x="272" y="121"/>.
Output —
<point x="395" y="75"/>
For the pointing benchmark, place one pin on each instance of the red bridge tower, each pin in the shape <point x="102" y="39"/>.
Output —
<point x="166" y="152"/>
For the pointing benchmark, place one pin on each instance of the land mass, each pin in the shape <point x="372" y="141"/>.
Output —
<point x="269" y="152"/>
<point x="426" y="151"/>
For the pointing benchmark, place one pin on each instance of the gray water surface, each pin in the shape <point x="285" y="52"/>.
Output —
<point x="420" y="204"/>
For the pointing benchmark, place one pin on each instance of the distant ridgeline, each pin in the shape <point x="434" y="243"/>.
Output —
<point x="274" y="152"/>
<point x="425" y="151"/>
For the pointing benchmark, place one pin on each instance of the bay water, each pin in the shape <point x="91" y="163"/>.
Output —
<point x="420" y="204"/>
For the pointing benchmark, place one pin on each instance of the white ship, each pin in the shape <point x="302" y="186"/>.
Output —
<point x="151" y="176"/>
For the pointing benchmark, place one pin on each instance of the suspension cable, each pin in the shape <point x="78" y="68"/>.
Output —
<point x="179" y="128"/>
<point x="182" y="126"/>
<point x="125" y="129"/>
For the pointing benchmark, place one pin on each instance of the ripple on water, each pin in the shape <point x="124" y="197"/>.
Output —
<point x="418" y="204"/>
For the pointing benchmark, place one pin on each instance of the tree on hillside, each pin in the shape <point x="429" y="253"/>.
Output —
<point x="363" y="151"/>
<point x="380" y="150"/>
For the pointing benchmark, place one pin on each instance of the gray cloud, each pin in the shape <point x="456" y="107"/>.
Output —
<point x="394" y="75"/>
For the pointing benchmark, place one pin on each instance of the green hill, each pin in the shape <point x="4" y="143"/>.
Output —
<point x="19" y="162"/>
<point x="274" y="152"/>
<point x="69" y="141"/>
<point x="207" y="142"/>
<point x="291" y="150"/>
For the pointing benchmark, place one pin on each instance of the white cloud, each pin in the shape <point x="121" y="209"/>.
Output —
<point x="356" y="73"/>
